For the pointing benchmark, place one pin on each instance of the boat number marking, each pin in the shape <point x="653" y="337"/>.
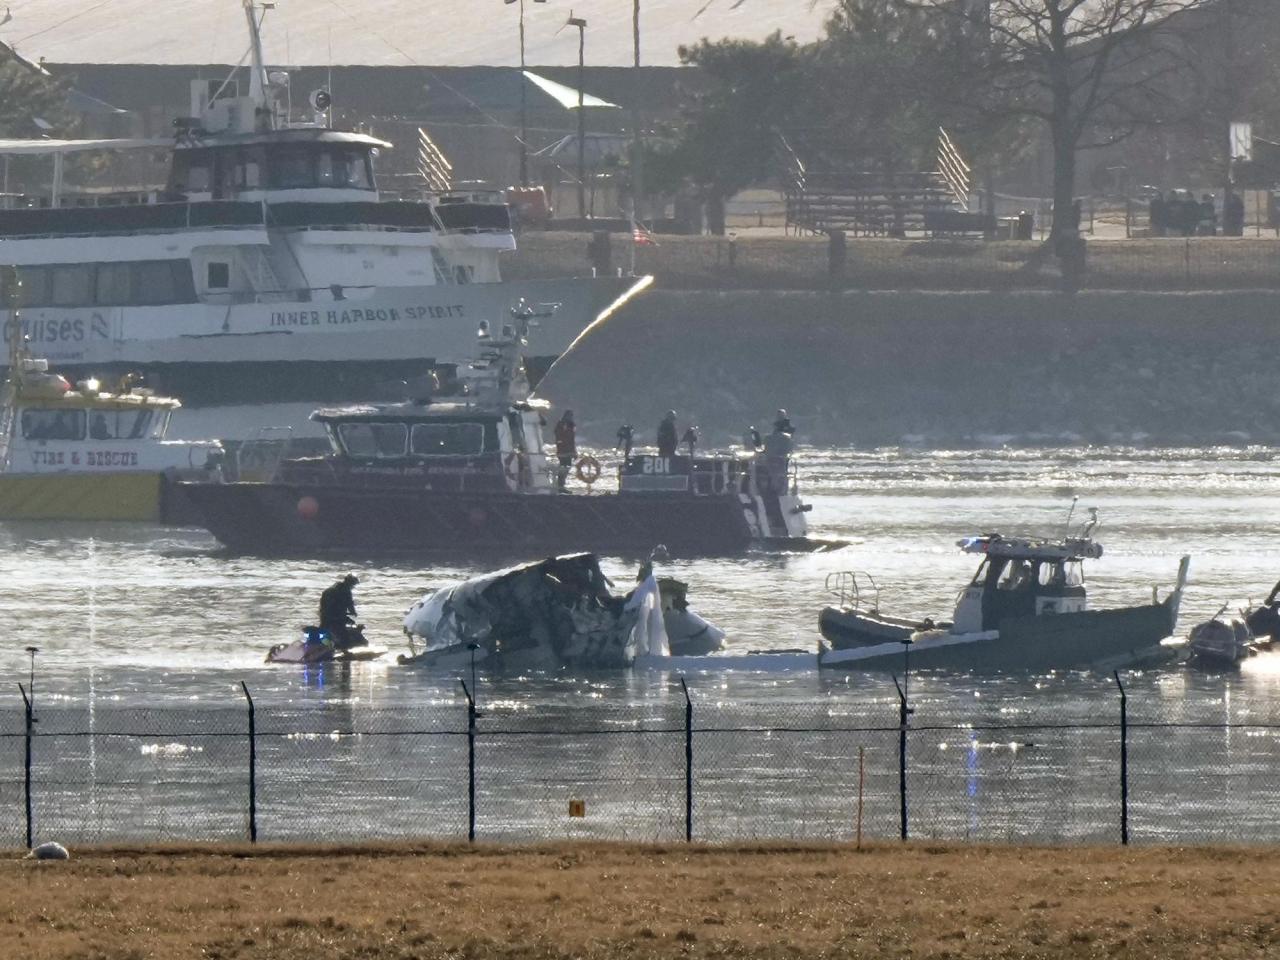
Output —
<point x="92" y="458"/>
<point x="316" y="318"/>
<point x="656" y="465"/>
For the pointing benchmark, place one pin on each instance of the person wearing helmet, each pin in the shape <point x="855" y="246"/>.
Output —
<point x="668" y="436"/>
<point x="338" y="614"/>
<point x="782" y="424"/>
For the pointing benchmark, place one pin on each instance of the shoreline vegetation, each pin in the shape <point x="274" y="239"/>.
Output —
<point x="394" y="902"/>
<point x="767" y="260"/>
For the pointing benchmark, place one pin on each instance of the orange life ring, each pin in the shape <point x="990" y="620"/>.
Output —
<point x="588" y="469"/>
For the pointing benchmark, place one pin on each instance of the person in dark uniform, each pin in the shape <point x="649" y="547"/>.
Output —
<point x="338" y="613"/>
<point x="782" y="424"/>
<point x="668" y="436"/>
<point x="566" y="447"/>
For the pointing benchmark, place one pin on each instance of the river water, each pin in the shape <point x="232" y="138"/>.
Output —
<point x="134" y="622"/>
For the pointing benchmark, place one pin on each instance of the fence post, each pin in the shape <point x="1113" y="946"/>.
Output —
<point x="904" y="711"/>
<point x="1124" y="761"/>
<point x="26" y="764"/>
<point x="253" y="766"/>
<point x="471" y="763"/>
<point x="688" y="763"/>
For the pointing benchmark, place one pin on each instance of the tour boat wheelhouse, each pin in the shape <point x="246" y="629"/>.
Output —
<point x="269" y="269"/>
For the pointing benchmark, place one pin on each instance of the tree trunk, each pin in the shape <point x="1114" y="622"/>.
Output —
<point x="1065" y="224"/>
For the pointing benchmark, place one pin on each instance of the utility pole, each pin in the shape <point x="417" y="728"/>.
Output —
<point x="524" y="110"/>
<point x="581" y="24"/>
<point x="637" y="142"/>
<point x="524" y="101"/>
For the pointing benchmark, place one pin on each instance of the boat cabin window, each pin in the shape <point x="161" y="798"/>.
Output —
<point x="379" y="440"/>
<point x="299" y="166"/>
<point x="72" y="284"/>
<point x="218" y="275"/>
<point x="1068" y="574"/>
<point x="1017" y="575"/>
<point x="448" y="439"/>
<point x="42" y="424"/>
<point x="110" y="284"/>
<point x="119" y="424"/>
<point x="160" y="424"/>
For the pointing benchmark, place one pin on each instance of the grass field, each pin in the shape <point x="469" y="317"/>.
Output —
<point x="607" y="902"/>
<point x="767" y="261"/>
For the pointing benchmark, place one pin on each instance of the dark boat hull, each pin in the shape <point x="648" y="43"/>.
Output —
<point x="279" y="518"/>
<point x="1065" y="641"/>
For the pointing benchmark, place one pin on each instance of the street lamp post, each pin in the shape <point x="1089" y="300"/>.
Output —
<point x="637" y="143"/>
<point x="581" y="24"/>
<point x="524" y="101"/>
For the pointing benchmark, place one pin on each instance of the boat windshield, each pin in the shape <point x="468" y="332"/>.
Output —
<point x="119" y="424"/>
<point x="379" y="440"/>
<point x="42" y="424"/>
<point x="447" y="439"/>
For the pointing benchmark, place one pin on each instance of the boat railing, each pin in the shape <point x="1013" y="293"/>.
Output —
<point x="853" y="588"/>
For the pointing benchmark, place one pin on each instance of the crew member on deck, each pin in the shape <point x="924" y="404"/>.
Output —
<point x="338" y="613"/>
<point x="668" y="436"/>
<point x="566" y="447"/>
<point x="777" y="452"/>
<point x="782" y="424"/>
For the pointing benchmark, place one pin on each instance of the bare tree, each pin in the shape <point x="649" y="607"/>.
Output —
<point x="1092" y="71"/>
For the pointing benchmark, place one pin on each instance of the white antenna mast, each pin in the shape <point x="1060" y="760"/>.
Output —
<point x="1066" y="533"/>
<point x="257" y="69"/>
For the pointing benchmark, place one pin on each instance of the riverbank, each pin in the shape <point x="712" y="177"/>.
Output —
<point x="934" y="368"/>
<point x="621" y="901"/>
<point x="767" y="261"/>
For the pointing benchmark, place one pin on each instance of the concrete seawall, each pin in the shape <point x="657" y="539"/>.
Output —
<point x="886" y="367"/>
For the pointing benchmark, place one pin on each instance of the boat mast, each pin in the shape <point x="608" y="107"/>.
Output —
<point x="257" y="68"/>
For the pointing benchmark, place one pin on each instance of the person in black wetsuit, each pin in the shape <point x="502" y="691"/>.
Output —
<point x="338" y="613"/>
<point x="668" y="438"/>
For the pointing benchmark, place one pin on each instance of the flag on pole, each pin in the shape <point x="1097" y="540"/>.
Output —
<point x="642" y="237"/>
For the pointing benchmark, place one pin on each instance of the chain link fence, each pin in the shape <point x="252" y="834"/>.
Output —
<point x="668" y="769"/>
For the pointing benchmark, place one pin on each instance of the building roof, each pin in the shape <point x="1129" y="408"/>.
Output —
<point x="393" y="32"/>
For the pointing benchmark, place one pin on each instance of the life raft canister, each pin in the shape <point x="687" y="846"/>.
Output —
<point x="588" y="469"/>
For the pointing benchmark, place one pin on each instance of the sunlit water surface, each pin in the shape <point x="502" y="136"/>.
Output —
<point x="144" y="615"/>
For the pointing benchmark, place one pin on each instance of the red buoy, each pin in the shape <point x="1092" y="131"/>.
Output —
<point x="308" y="508"/>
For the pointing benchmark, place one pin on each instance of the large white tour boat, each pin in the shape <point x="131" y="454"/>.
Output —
<point x="268" y="270"/>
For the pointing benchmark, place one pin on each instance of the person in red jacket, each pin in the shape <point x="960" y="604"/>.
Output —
<point x="566" y="447"/>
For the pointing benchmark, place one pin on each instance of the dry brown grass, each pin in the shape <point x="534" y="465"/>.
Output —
<point x="800" y="263"/>
<point x="619" y="901"/>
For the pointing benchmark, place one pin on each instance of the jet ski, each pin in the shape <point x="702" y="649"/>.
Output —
<point x="316" y="646"/>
